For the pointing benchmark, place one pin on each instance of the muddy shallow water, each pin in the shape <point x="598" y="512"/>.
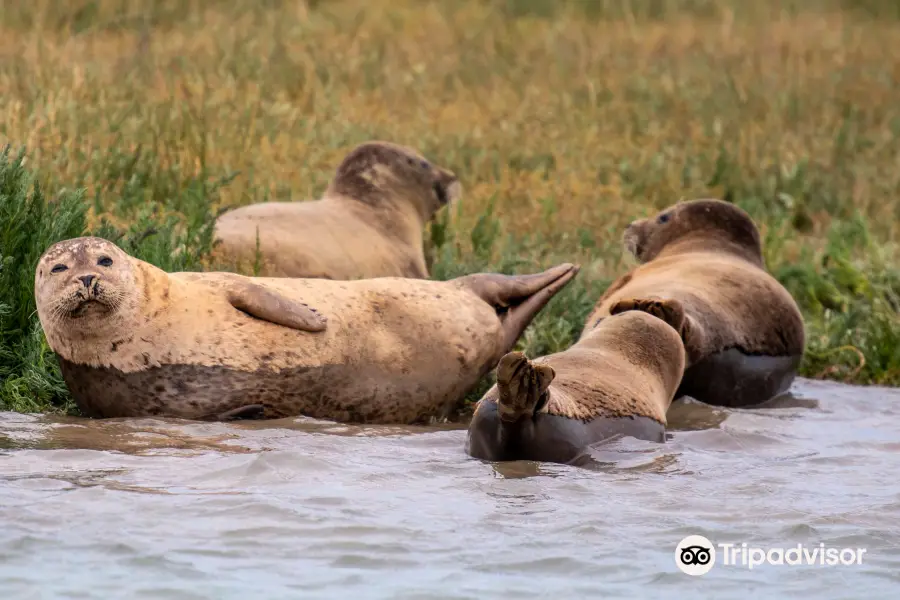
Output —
<point x="299" y="508"/>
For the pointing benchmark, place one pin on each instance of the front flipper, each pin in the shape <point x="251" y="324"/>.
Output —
<point x="669" y="310"/>
<point x="272" y="306"/>
<point x="522" y="387"/>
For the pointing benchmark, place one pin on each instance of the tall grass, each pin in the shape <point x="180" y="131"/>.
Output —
<point x="565" y="121"/>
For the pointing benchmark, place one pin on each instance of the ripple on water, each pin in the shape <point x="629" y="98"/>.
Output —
<point x="298" y="508"/>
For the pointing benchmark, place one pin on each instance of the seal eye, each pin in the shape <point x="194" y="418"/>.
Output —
<point x="59" y="268"/>
<point x="105" y="261"/>
<point x="663" y="218"/>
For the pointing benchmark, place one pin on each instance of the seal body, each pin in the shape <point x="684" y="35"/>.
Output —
<point x="144" y="342"/>
<point x="743" y="331"/>
<point x="369" y="223"/>
<point x="620" y="378"/>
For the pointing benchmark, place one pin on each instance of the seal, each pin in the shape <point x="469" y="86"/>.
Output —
<point x="369" y="222"/>
<point x="133" y="340"/>
<point x="743" y="331"/>
<point x="619" y="379"/>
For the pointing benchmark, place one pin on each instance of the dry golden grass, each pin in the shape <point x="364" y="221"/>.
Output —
<point x="570" y="118"/>
<point x="527" y="109"/>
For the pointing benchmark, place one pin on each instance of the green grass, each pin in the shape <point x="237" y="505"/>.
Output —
<point x="32" y="220"/>
<point x="565" y="121"/>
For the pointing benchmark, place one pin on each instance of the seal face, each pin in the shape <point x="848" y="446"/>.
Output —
<point x="85" y="285"/>
<point x="743" y="331"/>
<point x="618" y="379"/>
<point x="368" y="223"/>
<point x="134" y="341"/>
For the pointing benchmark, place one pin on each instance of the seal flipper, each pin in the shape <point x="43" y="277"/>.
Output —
<point x="669" y="310"/>
<point x="274" y="307"/>
<point x="518" y="298"/>
<point x="522" y="387"/>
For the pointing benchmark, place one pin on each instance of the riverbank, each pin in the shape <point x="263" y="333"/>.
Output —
<point x="564" y="125"/>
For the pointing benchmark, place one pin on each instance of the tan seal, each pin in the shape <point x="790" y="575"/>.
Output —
<point x="369" y="222"/>
<point x="743" y="331"/>
<point x="133" y="340"/>
<point x="619" y="379"/>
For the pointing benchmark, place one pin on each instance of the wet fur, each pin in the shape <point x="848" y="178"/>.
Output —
<point x="707" y="255"/>
<point x="369" y="223"/>
<point x="619" y="378"/>
<point x="393" y="351"/>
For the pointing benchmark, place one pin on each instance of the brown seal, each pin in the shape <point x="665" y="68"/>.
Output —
<point x="134" y="340"/>
<point x="743" y="331"/>
<point x="369" y="223"/>
<point x="619" y="379"/>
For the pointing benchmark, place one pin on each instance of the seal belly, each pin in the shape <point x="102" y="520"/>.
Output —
<point x="735" y="379"/>
<point x="202" y="392"/>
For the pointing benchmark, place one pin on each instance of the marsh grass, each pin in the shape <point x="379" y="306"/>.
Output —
<point x="565" y="121"/>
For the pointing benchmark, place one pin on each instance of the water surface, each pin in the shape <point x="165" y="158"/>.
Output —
<point x="298" y="508"/>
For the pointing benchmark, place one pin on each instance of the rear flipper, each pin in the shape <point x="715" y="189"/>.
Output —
<point x="523" y="387"/>
<point x="518" y="298"/>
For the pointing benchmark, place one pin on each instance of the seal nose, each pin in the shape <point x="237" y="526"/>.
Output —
<point x="87" y="280"/>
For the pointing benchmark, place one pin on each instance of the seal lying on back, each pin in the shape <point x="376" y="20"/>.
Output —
<point x="369" y="223"/>
<point x="620" y="378"/>
<point x="743" y="331"/>
<point x="133" y="340"/>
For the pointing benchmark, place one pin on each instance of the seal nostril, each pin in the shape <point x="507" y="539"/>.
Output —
<point x="87" y="280"/>
<point x="440" y="192"/>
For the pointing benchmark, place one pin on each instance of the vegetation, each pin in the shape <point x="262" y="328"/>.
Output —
<point x="564" y="119"/>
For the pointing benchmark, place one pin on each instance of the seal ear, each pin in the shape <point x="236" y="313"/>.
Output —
<point x="271" y="306"/>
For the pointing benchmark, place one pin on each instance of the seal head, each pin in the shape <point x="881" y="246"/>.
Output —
<point x="86" y="285"/>
<point x="378" y="172"/>
<point x="694" y="225"/>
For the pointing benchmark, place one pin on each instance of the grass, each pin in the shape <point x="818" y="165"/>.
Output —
<point x="564" y="119"/>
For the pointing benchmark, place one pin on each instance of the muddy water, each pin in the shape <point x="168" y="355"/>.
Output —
<point x="291" y="509"/>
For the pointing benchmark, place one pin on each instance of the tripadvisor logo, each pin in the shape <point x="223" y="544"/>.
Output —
<point x="696" y="555"/>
